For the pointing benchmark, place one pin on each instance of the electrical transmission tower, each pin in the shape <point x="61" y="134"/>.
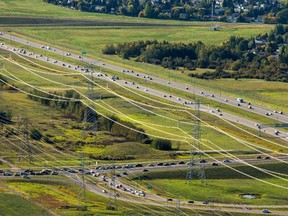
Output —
<point x="178" y="209"/>
<point x="25" y="151"/>
<point x="82" y="192"/>
<point x="196" y="167"/>
<point x="113" y="199"/>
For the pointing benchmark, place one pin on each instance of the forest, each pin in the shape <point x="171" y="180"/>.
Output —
<point x="262" y="57"/>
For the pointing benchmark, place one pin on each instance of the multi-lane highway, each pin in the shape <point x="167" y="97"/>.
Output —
<point x="132" y="85"/>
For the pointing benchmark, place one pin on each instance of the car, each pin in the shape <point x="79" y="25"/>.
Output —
<point x="139" y="165"/>
<point x="54" y="173"/>
<point x="227" y="161"/>
<point x="160" y="164"/>
<point x="187" y="88"/>
<point x="7" y="174"/>
<point x="205" y="202"/>
<point x="151" y="165"/>
<point x="190" y="163"/>
<point x="280" y="112"/>
<point x="190" y="201"/>
<point x="259" y="157"/>
<point x="104" y="191"/>
<point x="125" y="173"/>
<point x="212" y="95"/>
<point x="267" y="158"/>
<point x="181" y="162"/>
<point x="172" y="163"/>
<point x="168" y="82"/>
<point x="202" y="161"/>
<point x="145" y="170"/>
<point x="1" y="171"/>
<point x="201" y="92"/>
<point x="214" y="164"/>
<point x="238" y="104"/>
<point x="166" y="164"/>
<point x="169" y="200"/>
<point x="266" y="211"/>
<point x="225" y="100"/>
<point x="72" y="171"/>
<point x="26" y="177"/>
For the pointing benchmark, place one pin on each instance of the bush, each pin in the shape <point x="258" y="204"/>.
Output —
<point x="161" y="144"/>
<point x="35" y="134"/>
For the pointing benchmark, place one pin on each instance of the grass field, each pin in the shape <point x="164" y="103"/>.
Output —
<point x="223" y="184"/>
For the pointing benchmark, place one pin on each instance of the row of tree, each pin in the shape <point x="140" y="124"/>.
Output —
<point x="177" y="9"/>
<point x="263" y="57"/>
<point x="77" y="109"/>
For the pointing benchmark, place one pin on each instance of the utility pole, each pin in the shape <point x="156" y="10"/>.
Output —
<point x="25" y="151"/>
<point x="212" y="14"/>
<point x="196" y="153"/>
<point x="212" y="206"/>
<point x="82" y="192"/>
<point x="178" y="209"/>
<point x="113" y="187"/>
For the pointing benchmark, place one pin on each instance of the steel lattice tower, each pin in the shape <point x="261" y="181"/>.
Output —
<point x="25" y="151"/>
<point x="196" y="153"/>
<point x="82" y="192"/>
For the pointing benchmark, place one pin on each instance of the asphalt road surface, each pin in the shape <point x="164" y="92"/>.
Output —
<point x="268" y="129"/>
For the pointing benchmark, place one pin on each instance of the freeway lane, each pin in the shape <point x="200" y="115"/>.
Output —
<point x="236" y="119"/>
<point x="188" y="88"/>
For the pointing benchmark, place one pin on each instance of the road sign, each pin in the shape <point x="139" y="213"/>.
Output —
<point x="150" y="187"/>
<point x="84" y="52"/>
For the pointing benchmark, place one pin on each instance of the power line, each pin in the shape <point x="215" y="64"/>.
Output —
<point x="82" y="193"/>
<point x="25" y="151"/>
<point x="196" y="153"/>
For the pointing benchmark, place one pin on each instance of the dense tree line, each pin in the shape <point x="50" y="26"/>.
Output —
<point x="180" y="9"/>
<point x="77" y="109"/>
<point x="262" y="57"/>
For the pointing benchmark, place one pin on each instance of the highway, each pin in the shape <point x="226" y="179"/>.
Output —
<point x="184" y="87"/>
<point x="224" y="115"/>
<point x="103" y="186"/>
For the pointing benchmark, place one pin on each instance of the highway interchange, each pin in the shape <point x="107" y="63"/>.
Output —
<point x="150" y="198"/>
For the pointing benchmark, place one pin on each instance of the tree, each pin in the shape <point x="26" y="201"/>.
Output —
<point x="282" y="16"/>
<point x="35" y="134"/>
<point x="161" y="144"/>
<point x="148" y="11"/>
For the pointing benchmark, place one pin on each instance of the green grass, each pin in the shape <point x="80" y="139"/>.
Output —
<point x="223" y="184"/>
<point x="11" y="204"/>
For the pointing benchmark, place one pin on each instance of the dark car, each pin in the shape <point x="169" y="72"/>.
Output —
<point x="138" y="165"/>
<point x="190" y="201"/>
<point x="259" y="157"/>
<point x="181" y="162"/>
<point x="145" y="170"/>
<point x="202" y="161"/>
<point x="169" y="200"/>
<point x="159" y="164"/>
<point x="214" y="164"/>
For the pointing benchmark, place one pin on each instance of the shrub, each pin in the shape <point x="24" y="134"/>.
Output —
<point x="35" y="134"/>
<point x="161" y="144"/>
